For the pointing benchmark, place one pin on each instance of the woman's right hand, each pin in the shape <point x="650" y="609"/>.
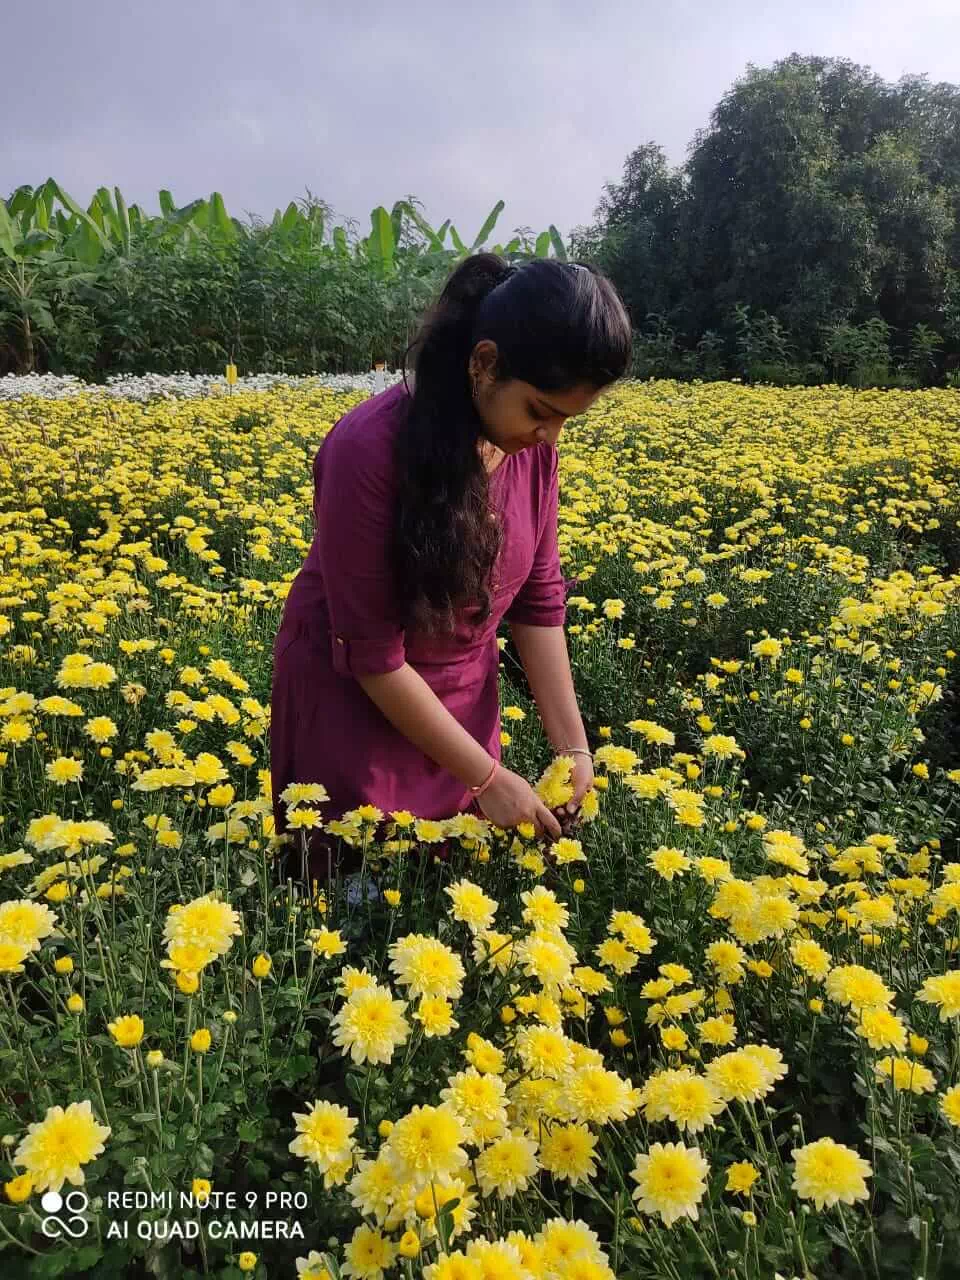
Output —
<point x="510" y="800"/>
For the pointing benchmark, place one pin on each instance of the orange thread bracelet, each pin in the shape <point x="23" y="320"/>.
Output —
<point x="478" y="791"/>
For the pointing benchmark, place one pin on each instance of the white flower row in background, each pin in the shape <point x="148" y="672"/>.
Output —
<point x="169" y="386"/>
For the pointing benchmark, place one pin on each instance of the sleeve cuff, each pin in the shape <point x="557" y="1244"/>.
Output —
<point x="534" y="615"/>
<point x="353" y="658"/>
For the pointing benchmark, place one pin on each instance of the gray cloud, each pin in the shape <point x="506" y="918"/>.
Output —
<point x="535" y="103"/>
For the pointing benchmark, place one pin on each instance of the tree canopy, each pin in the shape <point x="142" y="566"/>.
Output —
<point x="819" y="196"/>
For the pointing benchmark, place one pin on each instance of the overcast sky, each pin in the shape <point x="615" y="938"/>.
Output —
<point x="457" y="104"/>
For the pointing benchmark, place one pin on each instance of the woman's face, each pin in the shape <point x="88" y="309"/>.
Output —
<point x="517" y="415"/>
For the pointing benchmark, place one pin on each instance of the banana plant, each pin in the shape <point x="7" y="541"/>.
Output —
<point x="47" y="251"/>
<point x="380" y="244"/>
<point x="82" y="238"/>
<point x="34" y="272"/>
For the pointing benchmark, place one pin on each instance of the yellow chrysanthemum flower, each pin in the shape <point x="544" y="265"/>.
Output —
<point x="426" y="1144"/>
<point x="370" y="1025"/>
<point x="426" y="967"/>
<point x="127" y="1031"/>
<point x="567" y="1151"/>
<point x="471" y="905"/>
<point x="906" y="1074"/>
<point x="324" y="1134"/>
<point x="671" y="1181"/>
<point x="829" y="1173"/>
<point x="55" y="1148"/>
<point x="507" y="1165"/>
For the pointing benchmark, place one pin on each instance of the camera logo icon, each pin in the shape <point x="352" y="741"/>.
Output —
<point x="64" y="1215"/>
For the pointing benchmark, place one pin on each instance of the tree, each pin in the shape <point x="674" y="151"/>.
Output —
<point x="818" y="196"/>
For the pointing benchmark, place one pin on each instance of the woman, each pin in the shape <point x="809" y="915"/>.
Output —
<point x="435" y="511"/>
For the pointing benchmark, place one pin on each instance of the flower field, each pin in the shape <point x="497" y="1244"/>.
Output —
<point x="714" y="1032"/>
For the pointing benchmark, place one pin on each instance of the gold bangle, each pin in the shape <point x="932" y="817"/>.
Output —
<point x="482" y="786"/>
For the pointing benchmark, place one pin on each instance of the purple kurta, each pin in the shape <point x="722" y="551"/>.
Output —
<point x="340" y="621"/>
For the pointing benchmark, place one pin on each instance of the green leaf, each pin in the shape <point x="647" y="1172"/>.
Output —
<point x="85" y="1258"/>
<point x="299" y="1065"/>
<point x="353" y="1088"/>
<point x="332" y="1265"/>
<point x="380" y="243"/>
<point x="7" y="229"/>
<point x="98" y="241"/>
<point x="489" y="224"/>
<point x="220" y="218"/>
<point x="559" y="248"/>
<point x="52" y="1264"/>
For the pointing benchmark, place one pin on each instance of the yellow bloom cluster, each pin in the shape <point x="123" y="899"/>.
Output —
<point x="504" y="1005"/>
<point x="196" y="934"/>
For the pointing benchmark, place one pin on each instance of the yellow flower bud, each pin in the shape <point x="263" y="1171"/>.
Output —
<point x="19" y="1189"/>
<point x="673" y="1038"/>
<point x="262" y="965"/>
<point x="200" y="1040"/>
<point x="187" y="981"/>
<point x="409" y="1245"/>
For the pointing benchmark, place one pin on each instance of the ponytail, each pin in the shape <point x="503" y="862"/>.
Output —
<point x="555" y="325"/>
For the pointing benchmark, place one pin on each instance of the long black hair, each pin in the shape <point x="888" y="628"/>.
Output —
<point x="557" y="326"/>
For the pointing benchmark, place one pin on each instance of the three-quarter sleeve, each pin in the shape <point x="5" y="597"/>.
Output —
<point x="353" y="510"/>
<point x="541" y="601"/>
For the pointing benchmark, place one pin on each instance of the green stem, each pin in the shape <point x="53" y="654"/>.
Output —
<point x="19" y="1243"/>
<point x="156" y="1100"/>
<point x="704" y="1249"/>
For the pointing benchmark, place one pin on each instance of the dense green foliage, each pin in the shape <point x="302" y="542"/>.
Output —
<point x="812" y="235"/>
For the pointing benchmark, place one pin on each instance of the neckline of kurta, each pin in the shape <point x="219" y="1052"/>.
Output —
<point x="499" y="467"/>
